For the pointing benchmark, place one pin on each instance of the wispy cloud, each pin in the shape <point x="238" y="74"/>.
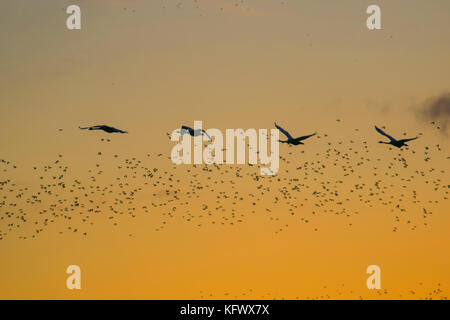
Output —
<point x="436" y="109"/>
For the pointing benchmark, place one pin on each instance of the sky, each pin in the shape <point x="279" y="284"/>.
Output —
<point x="338" y="204"/>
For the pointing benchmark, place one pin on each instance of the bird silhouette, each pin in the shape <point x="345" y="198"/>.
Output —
<point x="393" y="141"/>
<point x="192" y="132"/>
<point x="290" y="139"/>
<point x="105" y="128"/>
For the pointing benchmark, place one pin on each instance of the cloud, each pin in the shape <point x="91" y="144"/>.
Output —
<point x="437" y="109"/>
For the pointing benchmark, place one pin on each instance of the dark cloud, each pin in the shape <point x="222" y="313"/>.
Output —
<point x="437" y="109"/>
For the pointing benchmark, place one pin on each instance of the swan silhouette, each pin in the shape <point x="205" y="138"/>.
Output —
<point x="393" y="141"/>
<point x="290" y="139"/>
<point x="192" y="132"/>
<point x="104" y="128"/>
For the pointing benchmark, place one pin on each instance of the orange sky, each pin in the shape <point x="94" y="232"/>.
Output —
<point x="150" y="66"/>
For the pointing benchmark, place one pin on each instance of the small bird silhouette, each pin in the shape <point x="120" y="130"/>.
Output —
<point x="104" y="128"/>
<point x="290" y="139"/>
<point x="394" y="142"/>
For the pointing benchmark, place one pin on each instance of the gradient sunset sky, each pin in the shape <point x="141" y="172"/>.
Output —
<point x="149" y="67"/>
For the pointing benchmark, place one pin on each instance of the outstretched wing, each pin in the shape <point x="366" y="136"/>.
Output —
<point x="186" y="129"/>
<point x="91" y="128"/>
<point x="384" y="134"/>
<point x="113" y="129"/>
<point x="284" y="131"/>
<point x="206" y="134"/>
<point x="305" y="137"/>
<point x="406" y="140"/>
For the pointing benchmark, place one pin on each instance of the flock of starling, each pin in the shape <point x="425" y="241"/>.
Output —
<point x="342" y="179"/>
<point x="436" y="292"/>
